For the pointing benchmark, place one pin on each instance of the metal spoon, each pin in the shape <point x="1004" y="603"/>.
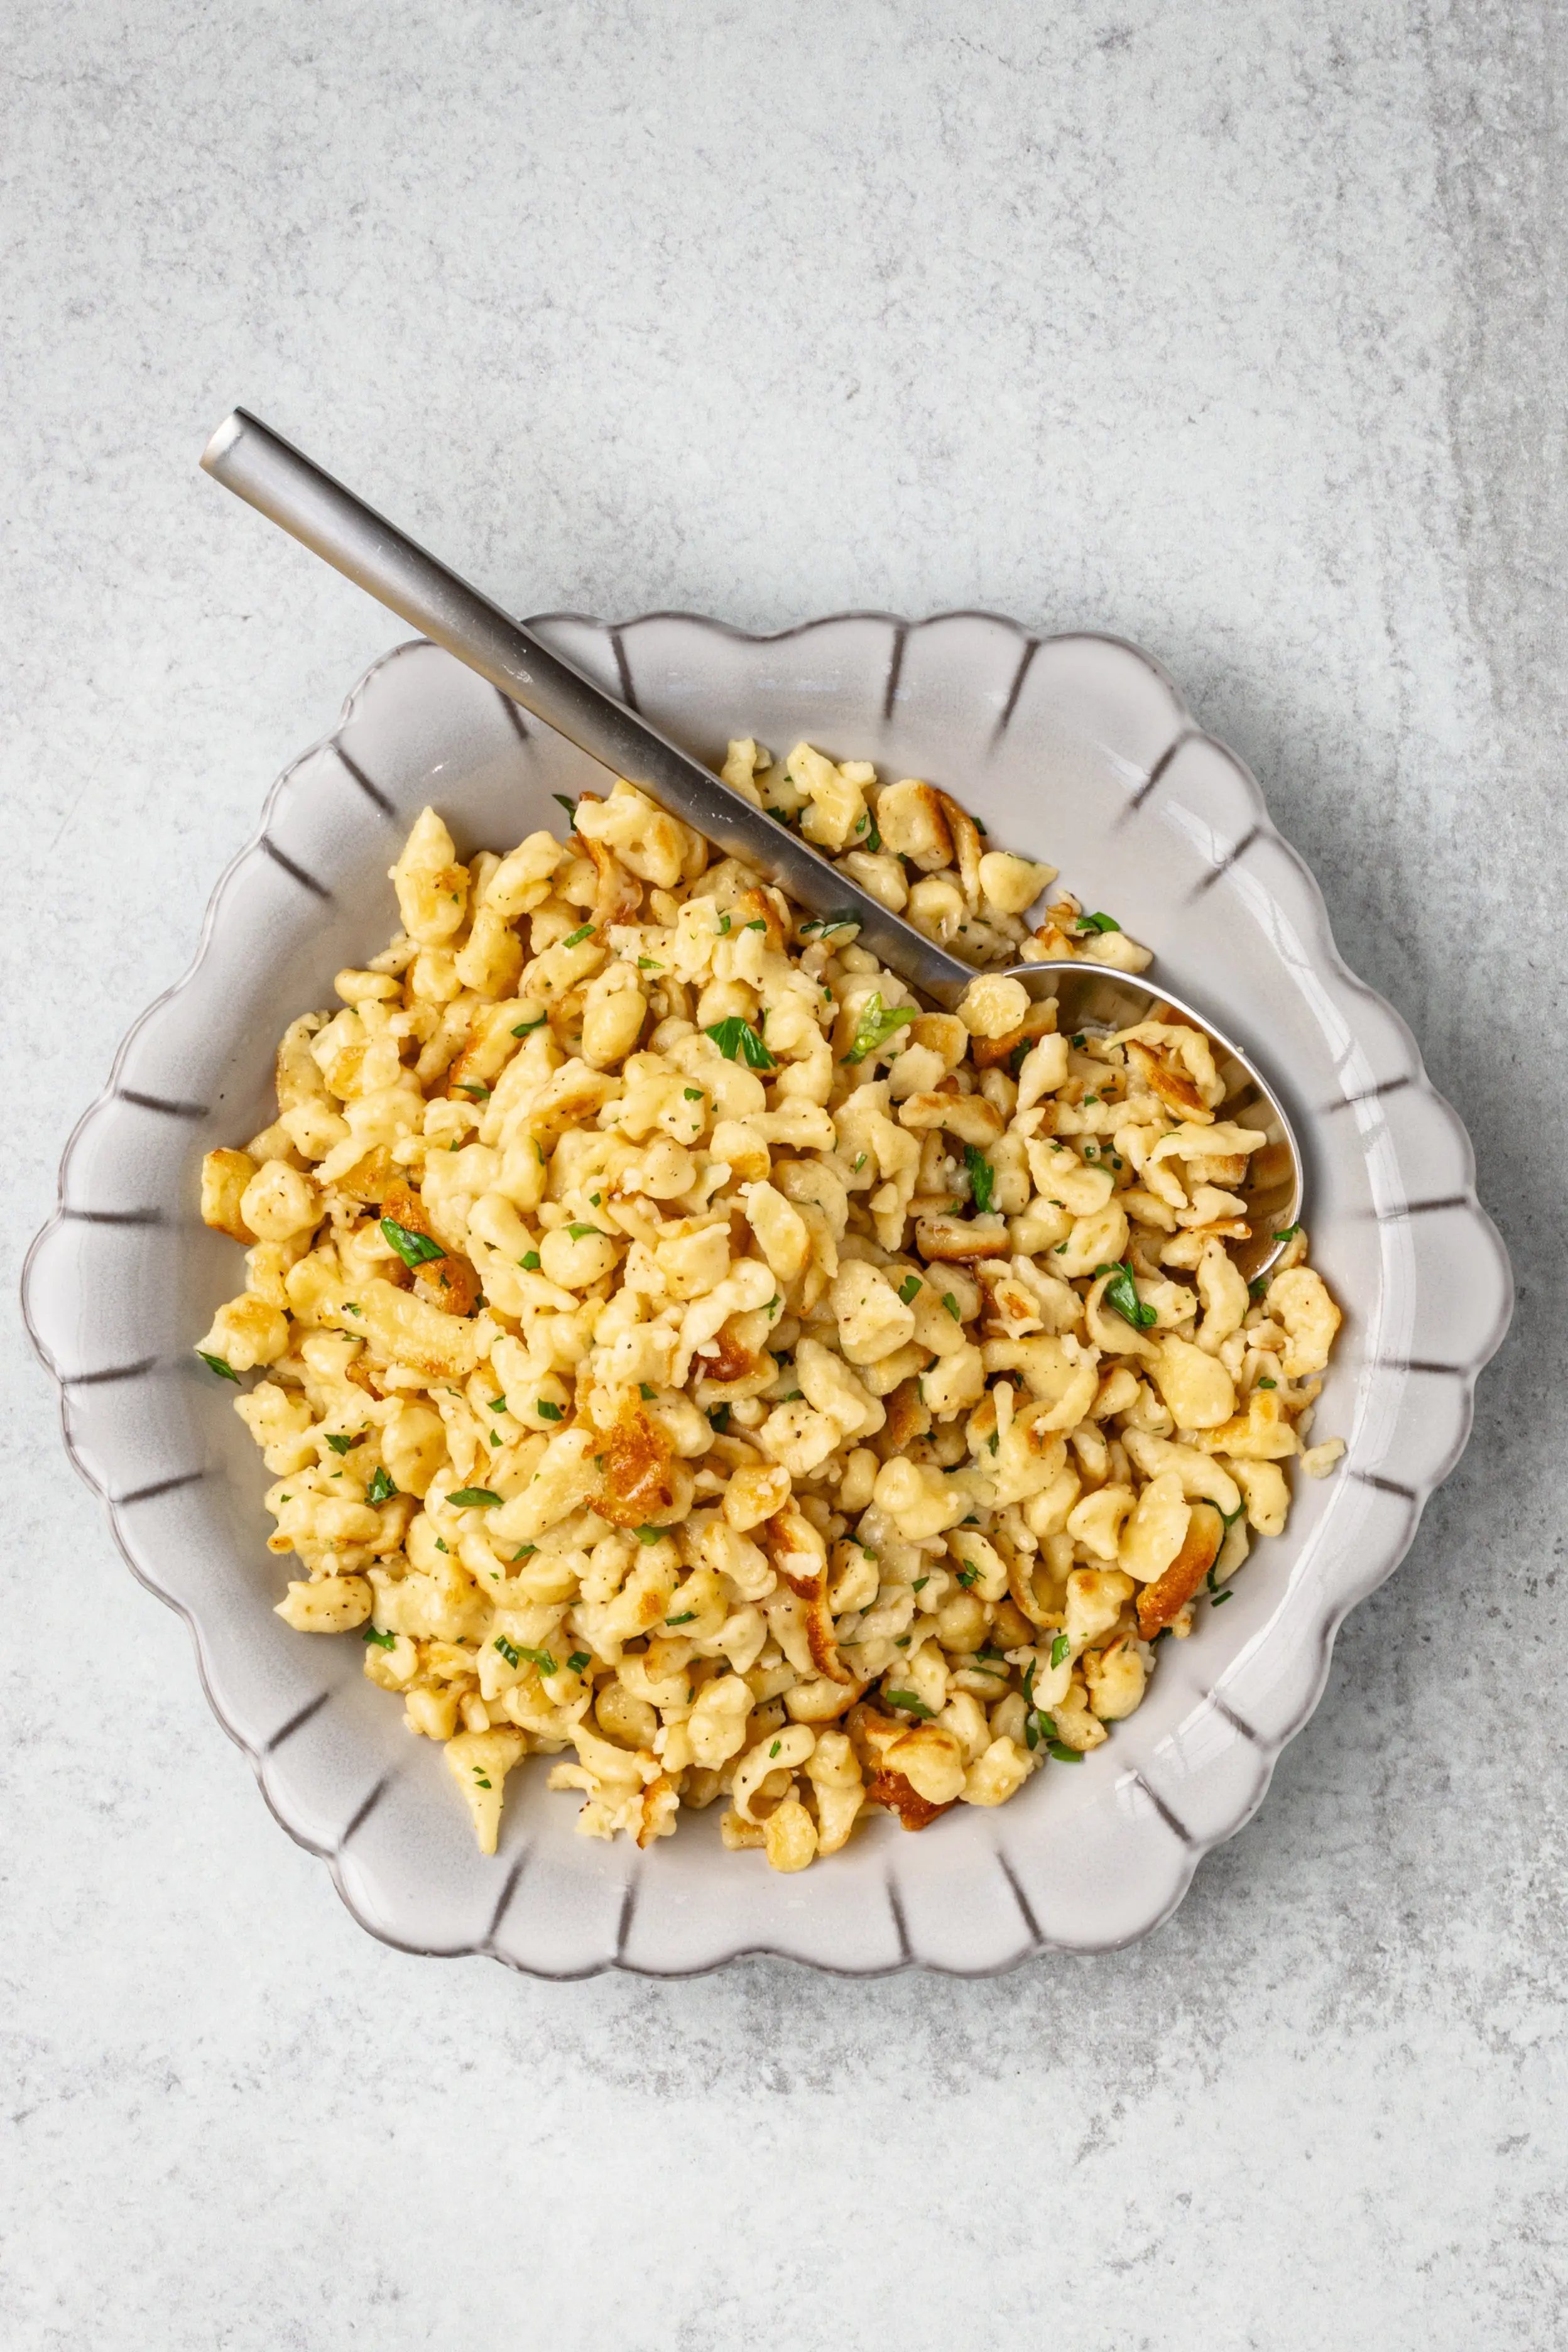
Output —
<point x="282" y="483"/>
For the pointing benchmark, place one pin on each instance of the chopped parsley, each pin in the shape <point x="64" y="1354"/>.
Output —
<point x="737" y="1040"/>
<point x="413" y="1249"/>
<point x="215" y="1364"/>
<point x="919" y="1584"/>
<point x="910" y="1702"/>
<point x="575" y="939"/>
<point x="908" y="1287"/>
<point x="686" y="1617"/>
<point x="527" y="1028"/>
<point x="513" y="1657"/>
<point x="529" y="1261"/>
<point x="526" y="1551"/>
<point x="776" y="1746"/>
<point x="473" y="1498"/>
<point x="1287" y="1234"/>
<point x="647" y="1394"/>
<point x="1058" y="1748"/>
<point x="858" y="1163"/>
<point x="693" y="1093"/>
<point x="719" y="1419"/>
<point x="497" y="1405"/>
<point x="540" y="1658"/>
<point x="968" y="1574"/>
<point x="582" y="1233"/>
<point x="381" y="1488"/>
<point x="876" y="1025"/>
<point x="982" y="1177"/>
<point x="569" y="806"/>
<point x="1096" y="923"/>
<point x="758" y="925"/>
<point x="649" y="1535"/>
<point x="382" y="1641"/>
<point x="1267" y="1384"/>
<point x="1077" y="1041"/>
<point x="578" y="1660"/>
<point x="950" y="1303"/>
<point x="820" y="925"/>
<point x="1060" y="1649"/>
<point x="1122" y="1294"/>
<point x="547" y="1410"/>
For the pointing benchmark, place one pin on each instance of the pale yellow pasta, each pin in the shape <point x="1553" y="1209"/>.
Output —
<point x="687" y="1358"/>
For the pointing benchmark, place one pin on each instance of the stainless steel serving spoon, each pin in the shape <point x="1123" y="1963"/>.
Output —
<point x="282" y="483"/>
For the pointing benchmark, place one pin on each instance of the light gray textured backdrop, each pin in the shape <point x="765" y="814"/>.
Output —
<point x="1233" y="326"/>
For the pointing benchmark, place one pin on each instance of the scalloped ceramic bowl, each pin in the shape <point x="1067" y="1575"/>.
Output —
<point x="1077" y="748"/>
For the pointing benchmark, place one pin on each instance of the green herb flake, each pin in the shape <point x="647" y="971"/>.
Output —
<point x="950" y="1303"/>
<point x="723" y="927"/>
<point x="876" y="1025"/>
<point x="693" y="1093"/>
<point x="968" y="1574"/>
<point x="345" y="1444"/>
<point x="776" y="1746"/>
<point x="1121" y="1293"/>
<point x="1078" y="1041"/>
<point x="686" y="1617"/>
<point x="1096" y="923"/>
<point x="910" y="1704"/>
<point x="582" y="1233"/>
<point x="382" y="1641"/>
<point x="651" y="1535"/>
<point x="527" y="1028"/>
<point x="529" y="1261"/>
<point x="473" y="1498"/>
<point x="820" y="925"/>
<point x="858" y="1163"/>
<point x="413" y="1249"/>
<point x="1058" y="1748"/>
<point x="569" y="806"/>
<point x="1267" y="1384"/>
<point x="547" y="1410"/>
<point x="1060" y="1649"/>
<point x="982" y="1178"/>
<point x="919" y="1584"/>
<point x="737" y="1040"/>
<point x="215" y="1364"/>
<point x="1287" y="1234"/>
<point x="540" y="1658"/>
<point x="381" y="1488"/>
<point x="578" y="1660"/>
<point x="719" y="1419"/>
<point x="647" y="1394"/>
<point x="482" y="1781"/>
<point x="774" y="1303"/>
<point x="759" y="925"/>
<point x="513" y="1657"/>
<point x="525" y="1552"/>
<point x="441" y="1546"/>
<point x="649" y="964"/>
<point x="575" y="939"/>
<point x="478" y="1094"/>
<point x="908" y="1287"/>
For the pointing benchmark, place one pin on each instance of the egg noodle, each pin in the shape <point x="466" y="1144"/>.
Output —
<point x="688" y="1357"/>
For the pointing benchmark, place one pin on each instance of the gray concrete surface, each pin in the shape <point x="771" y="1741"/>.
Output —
<point x="1235" y="328"/>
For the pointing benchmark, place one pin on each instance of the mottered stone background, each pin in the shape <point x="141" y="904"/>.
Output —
<point x="1234" y="328"/>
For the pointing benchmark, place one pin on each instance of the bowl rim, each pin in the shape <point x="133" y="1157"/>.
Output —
<point x="1268" y="1745"/>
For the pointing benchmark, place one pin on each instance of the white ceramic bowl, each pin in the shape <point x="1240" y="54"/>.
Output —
<point x="1077" y="748"/>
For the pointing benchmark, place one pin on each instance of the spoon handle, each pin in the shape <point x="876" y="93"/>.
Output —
<point x="247" y="457"/>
